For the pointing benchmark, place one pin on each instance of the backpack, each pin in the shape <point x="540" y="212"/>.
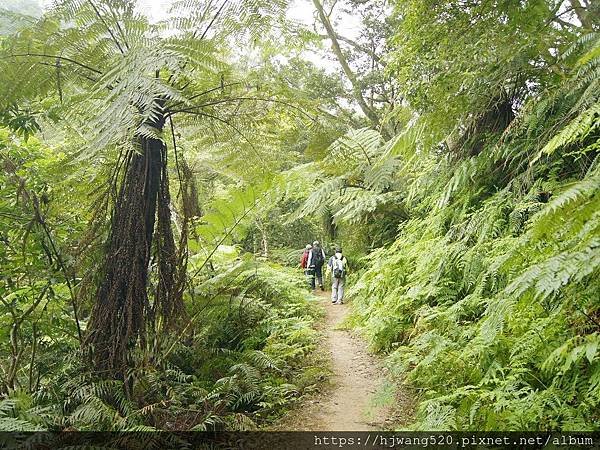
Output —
<point x="317" y="257"/>
<point x="338" y="267"/>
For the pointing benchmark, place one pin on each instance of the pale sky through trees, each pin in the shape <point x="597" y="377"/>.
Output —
<point x="300" y="10"/>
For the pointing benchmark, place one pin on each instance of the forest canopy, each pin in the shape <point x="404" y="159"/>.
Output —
<point x="161" y="176"/>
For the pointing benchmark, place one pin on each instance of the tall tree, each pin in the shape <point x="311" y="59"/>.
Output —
<point x="463" y="64"/>
<point x="118" y="80"/>
<point x="362" y="59"/>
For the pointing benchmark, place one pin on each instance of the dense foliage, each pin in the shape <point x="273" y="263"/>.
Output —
<point x="160" y="178"/>
<point x="242" y="353"/>
<point x="488" y="298"/>
<point x="123" y="306"/>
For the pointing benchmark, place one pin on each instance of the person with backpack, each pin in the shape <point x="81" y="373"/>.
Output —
<point x="338" y="265"/>
<point x="316" y="259"/>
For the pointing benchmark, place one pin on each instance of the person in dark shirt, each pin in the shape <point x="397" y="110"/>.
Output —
<point x="316" y="260"/>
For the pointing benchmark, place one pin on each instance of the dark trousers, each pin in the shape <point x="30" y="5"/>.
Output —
<point x="318" y="277"/>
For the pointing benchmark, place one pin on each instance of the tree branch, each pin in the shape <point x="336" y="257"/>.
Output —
<point x="222" y="86"/>
<point x="202" y="37"/>
<point x="335" y="45"/>
<point x="583" y="14"/>
<point x="63" y="58"/>
<point x="356" y="46"/>
<point x="93" y="80"/>
<point x="217" y="14"/>
<point x="121" y="32"/>
<point x="236" y="129"/>
<point x="106" y="26"/>
<point x="228" y="100"/>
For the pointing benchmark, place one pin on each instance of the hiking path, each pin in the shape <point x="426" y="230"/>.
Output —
<point x="361" y="398"/>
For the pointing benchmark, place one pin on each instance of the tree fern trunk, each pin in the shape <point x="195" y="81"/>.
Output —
<point x="122" y="310"/>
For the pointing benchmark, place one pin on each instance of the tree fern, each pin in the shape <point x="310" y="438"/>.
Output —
<point x="362" y="178"/>
<point x="575" y="131"/>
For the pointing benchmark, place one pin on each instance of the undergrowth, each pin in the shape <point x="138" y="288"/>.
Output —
<point x="487" y="301"/>
<point x="243" y="360"/>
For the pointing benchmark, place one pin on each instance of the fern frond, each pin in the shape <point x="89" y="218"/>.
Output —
<point x="575" y="131"/>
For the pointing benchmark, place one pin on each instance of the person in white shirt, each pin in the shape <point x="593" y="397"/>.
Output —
<point x="338" y="265"/>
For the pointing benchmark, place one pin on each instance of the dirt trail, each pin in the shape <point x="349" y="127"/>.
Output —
<point x="357" y="376"/>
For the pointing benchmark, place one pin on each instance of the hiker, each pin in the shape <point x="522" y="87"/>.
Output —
<point x="304" y="258"/>
<point x="338" y="266"/>
<point x="316" y="259"/>
<point x="304" y="263"/>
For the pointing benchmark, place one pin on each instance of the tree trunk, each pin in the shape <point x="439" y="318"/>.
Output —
<point x="329" y="225"/>
<point x="122" y="309"/>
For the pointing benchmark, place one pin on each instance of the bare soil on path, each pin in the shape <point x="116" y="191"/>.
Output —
<point x="358" y="380"/>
